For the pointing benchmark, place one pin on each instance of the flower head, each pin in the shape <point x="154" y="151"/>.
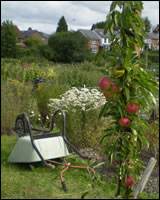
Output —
<point x="25" y="64"/>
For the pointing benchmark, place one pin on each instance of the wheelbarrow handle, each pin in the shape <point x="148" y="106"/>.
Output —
<point x="64" y="133"/>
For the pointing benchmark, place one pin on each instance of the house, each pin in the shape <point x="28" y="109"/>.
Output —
<point x="93" y="39"/>
<point x="104" y="38"/>
<point x="35" y="34"/>
<point x="22" y="35"/>
<point x="97" y="38"/>
<point x="152" y="40"/>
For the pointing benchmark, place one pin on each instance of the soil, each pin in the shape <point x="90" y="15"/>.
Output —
<point x="109" y="172"/>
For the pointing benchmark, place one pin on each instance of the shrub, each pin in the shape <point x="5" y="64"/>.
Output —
<point x="15" y="99"/>
<point x="69" y="47"/>
<point x="82" y="110"/>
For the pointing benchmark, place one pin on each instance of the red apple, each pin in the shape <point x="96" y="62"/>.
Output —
<point x="105" y="83"/>
<point x="124" y="122"/>
<point x="129" y="181"/>
<point x="131" y="108"/>
<point x="115" y="88"/>
<point x="107" y="94"/>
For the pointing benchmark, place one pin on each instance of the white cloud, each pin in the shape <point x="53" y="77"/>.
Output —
<point x="44" y="15"/>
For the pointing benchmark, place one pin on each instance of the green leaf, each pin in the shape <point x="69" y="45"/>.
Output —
<point x="98" y="165"/>
<point x="127" y="93"/>
<point x="113" y="5"/>
<point x="109" y="134"/>
<point x="105" y="107"/>
<point x="110" y="159"/>
<point x="145" y="141"/>
<point x="143" y="123"/>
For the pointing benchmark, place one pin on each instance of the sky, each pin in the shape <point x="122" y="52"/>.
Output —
<point x="44" y="15"/>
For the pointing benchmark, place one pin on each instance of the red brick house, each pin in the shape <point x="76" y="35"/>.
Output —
<point x="93" y="39"/>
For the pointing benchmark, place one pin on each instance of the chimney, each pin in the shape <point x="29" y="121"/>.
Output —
<point x="29" y="29"/>
<point x="93" y="27"/>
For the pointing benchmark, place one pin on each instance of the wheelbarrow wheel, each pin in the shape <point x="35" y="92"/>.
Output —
<point x="21" y="126"/>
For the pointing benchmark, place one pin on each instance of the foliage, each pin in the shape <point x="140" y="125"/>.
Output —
<point x="99" y="25"/>
<point x="32" y="42"/>
<point x="62" y="25"/>
<point x="69" y="47"/>
<point x="8" y="40"/>
<point x="16" y="98"/>
<point x="147" y="24"/>
<point x="137" y="86"/>
<point x="153" y="138"/>
<point x="46" y="52"/>
<point x="81" y="107"/>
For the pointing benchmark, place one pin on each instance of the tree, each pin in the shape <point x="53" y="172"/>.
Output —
<point x="101" y="25"/>
<point x="32" y="42"/>
<point x="98" y="25"/>
<point x="69" y="47"/>
<point x="147" y="24"/>
<point x="132" y="90"/>
<point x="156" y="29"/>
<point x="62" y="25"/>
<point x="8" y="40"/>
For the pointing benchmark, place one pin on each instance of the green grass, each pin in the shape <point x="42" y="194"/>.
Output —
<point x="20" y="181"/>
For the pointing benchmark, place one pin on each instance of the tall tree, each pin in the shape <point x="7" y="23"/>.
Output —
<point x="69" y="47"/>
<point x="147" y="24"/>
<point x="8" y="40"/>
<point x="62" y="25"/>
<point x="98" y="25"/>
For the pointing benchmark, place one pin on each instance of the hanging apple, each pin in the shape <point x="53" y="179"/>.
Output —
<point x="105" y="83"/>
<point x="124" y="122"/>
<point x="107" y="94"/>
<point x="115" y="89"/>
<point x="131" y="108"/>
<point x="129" y="181"/>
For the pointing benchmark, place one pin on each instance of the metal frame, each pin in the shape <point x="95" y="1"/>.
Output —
<point x="44" y="134"/>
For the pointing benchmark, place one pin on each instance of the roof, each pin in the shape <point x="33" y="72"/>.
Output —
<point x="20" y="34"/>
<point x="89" y="34"/>
<point x="30" y="32"/>
<point x="153" y="36"/>
<point x="100" y="32"/>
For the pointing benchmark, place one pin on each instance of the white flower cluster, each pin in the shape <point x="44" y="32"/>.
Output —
<point x="84" y="99"/>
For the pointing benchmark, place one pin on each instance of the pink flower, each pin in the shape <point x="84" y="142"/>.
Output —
<point x="25" y="64"/>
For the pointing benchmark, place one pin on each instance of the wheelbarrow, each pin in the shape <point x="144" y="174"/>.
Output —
<point x="43" y="145"/>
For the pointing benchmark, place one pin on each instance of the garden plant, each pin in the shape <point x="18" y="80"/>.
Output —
<point x="129" y="89"/>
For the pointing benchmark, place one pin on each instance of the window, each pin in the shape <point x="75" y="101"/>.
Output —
<point x="94" y="49"/>
<point x="93" y="42"/>
<point x="105" y="40"/>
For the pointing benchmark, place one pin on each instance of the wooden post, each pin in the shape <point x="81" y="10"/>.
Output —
<point x="145" y="177"/>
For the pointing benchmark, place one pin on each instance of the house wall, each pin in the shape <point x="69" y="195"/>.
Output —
<point x="94" y="45"/>
<point x="37" y="36"/>
<point x="155" y="44"/>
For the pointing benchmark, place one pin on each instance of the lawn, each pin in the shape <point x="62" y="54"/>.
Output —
<point x="22" y="181"/>
<point x="25" y="182"/>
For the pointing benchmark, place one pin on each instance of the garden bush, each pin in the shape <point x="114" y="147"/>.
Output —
<point x="15" y="99"/>
<point x="82" y="108"/>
